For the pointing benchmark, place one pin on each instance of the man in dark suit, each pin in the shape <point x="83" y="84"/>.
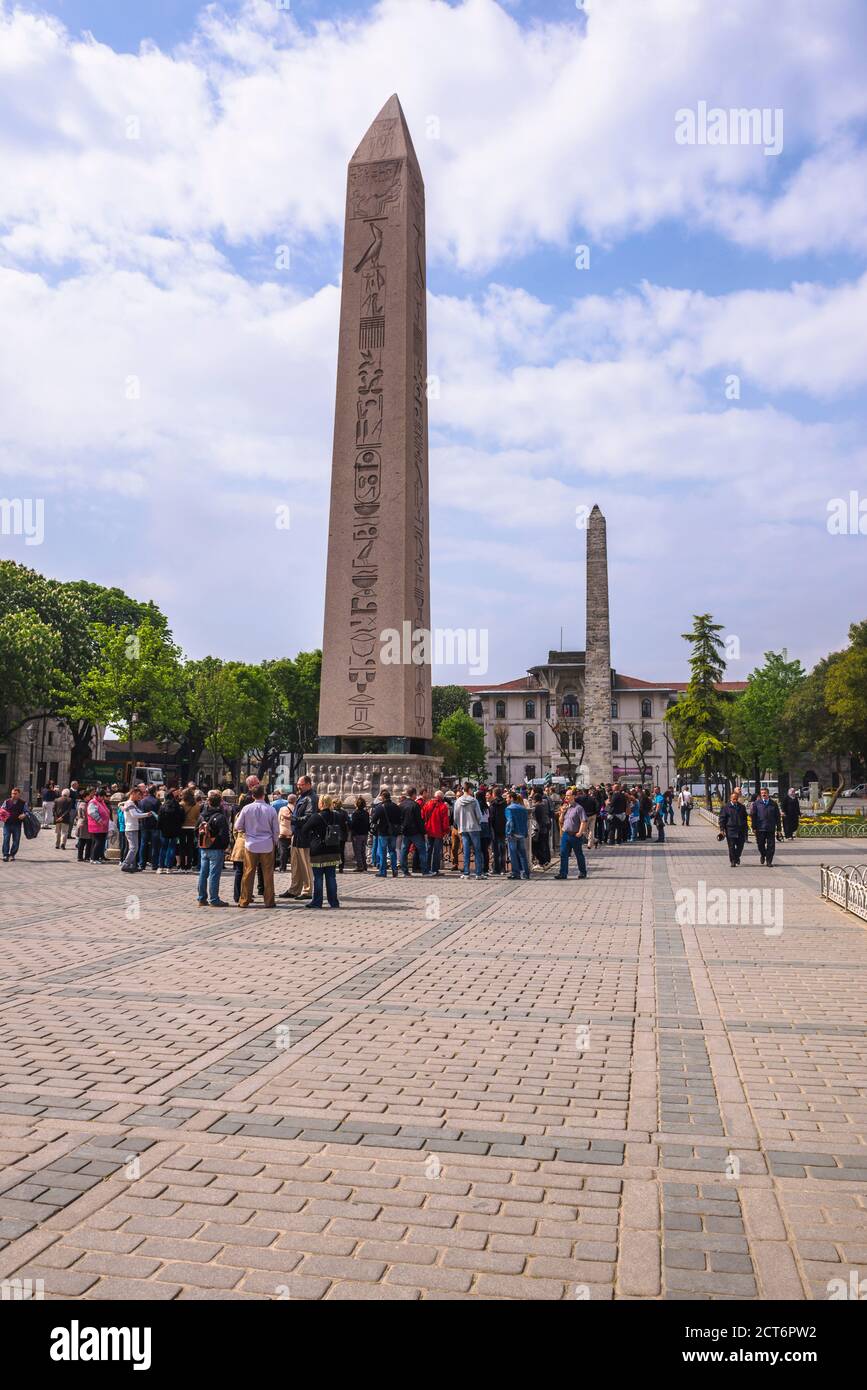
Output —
<point x="765" y="815"/>
<point x="733" y="826"/>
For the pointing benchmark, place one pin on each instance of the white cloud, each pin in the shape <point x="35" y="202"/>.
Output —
<point x="245" y="132"/>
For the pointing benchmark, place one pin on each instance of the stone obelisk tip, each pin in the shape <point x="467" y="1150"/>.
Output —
<point x="387" y="137"/>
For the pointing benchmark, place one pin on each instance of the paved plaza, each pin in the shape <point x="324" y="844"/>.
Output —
<point x="493" y="1090"/>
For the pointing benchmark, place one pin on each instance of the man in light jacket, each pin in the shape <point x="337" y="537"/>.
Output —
<point x="261" y="830"/>
<point x="133" y="816"/>
<point x="571" y="839"/>
<point x="468" y="822"/>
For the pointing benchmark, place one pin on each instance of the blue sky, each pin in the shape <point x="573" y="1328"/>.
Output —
<point x="169" y="387"/>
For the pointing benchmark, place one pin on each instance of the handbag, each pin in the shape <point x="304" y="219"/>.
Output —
<point x="31" y="825"/>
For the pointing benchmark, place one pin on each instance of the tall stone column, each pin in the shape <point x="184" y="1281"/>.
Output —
<point x="597" y="669"/>
<point x="377" y="573"/>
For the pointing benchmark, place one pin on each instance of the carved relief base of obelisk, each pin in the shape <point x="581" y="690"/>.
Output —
<point x="348" y="776"/>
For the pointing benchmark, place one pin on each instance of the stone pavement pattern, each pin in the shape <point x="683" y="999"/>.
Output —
<point x="445" y="1090"/>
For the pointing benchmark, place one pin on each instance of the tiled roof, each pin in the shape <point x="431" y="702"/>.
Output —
<point x="524" y="683"/>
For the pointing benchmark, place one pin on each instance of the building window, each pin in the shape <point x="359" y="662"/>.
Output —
<point x="3" y="769"/>
<point x="615" y="743"/>
<point x="576" y="740"/>
<point x="501" y="709"/>
<point x="646" y="709"/>
<point x="529" y="709"/>
<point x="50" y="738"/>
<point x="614" y="709"/>
<point x="529" y="742"/>
<point x="477" y="709"/>
<point x="569" y="708"/>
<point x="529" y="769"/>
<point x="646" y="741"/>
<point x="501" y="773"/>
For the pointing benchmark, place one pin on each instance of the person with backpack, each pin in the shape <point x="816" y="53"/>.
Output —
<point x="323" y="833"/>
<point x="13" y="813"/>
<point x="213" y="838"/>
<point x="259" y="822"/>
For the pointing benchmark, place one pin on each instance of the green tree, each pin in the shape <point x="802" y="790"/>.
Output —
<point x="846" y="693"/>
<point x="446" y="700"/>
<point x="295" y="712"/>
<point x="761" y="741"/>
<point x="463" y="741"/>
<point x="30" y="674"/>
<point x="135" y="685"/>
<point x="698" y="719"/>
<point x="72" y="611"/>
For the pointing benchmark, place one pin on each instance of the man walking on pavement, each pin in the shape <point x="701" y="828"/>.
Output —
<point x="733" y="826"/>
<point x="765" y="815"/>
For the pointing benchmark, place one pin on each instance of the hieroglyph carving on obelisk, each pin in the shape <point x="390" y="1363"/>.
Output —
<point x="377" y="576"/>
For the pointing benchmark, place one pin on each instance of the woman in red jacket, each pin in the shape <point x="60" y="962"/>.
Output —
<point x="435" y="814"/>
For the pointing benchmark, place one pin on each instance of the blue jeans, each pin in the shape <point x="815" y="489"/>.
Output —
<point x="420" y="849"/>
<point x="434" y="853"/>
<point x="149" y="847"/>
<point x="472" y="838"/>
<point x="210" y="868"/>
<point x="328" y="873"/>
<point x="518" y="856"/>
<point x="498" y="845"/>
<point x="568" y="843"/>
<point x="387" y="848"/>
<point x="11" y="838"/>
<point x="166" y="858"/>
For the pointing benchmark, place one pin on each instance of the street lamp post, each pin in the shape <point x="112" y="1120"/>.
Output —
<point x="31" y="739"/>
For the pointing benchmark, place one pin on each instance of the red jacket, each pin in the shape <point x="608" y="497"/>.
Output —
<point x="435" y="814"/>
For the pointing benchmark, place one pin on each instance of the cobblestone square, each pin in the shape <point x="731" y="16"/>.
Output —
<point x="450" y="1089"/>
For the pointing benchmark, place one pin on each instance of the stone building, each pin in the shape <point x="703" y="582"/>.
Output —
<point x="525" y="721"/>
<point x="37" y="752"/>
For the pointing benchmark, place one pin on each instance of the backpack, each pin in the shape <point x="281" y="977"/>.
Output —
<point x="331" y="841"/>
<point x="208" y="834"/>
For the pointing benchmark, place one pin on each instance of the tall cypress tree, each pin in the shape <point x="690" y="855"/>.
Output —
<point x="698" y="719"/>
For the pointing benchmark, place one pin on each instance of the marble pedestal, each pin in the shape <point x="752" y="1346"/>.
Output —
<point x="350" y="775"/>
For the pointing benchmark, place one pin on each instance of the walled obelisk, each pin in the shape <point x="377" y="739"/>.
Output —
<point x="597" y="657"/>
<point x="375" y="708"/>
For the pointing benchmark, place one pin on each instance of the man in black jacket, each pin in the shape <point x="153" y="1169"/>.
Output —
<point x="617" y="806"/>
<point x="497" y="814"/>
<point x="306" y="806"/>
<point x="213" y="835"/>
<point x="412" y="831"/>
<point x="386" y="822"/>
<point x="765" y="815"/>
<point x="733" y="826"/>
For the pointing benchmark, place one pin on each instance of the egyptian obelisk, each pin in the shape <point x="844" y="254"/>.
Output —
<point x="597" y="657"/>
<point x="375" y="710"/>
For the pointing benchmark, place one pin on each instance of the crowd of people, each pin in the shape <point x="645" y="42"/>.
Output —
<point x="470" y="831"/>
